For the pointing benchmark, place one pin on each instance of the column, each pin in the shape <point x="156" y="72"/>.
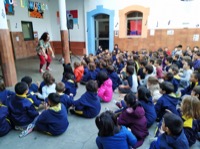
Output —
<point x="6" y="52"/>
<point x="64" y="31"/>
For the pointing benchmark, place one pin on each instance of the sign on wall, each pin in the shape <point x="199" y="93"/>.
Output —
<point x="9" y="7"/>
<point x="35" y="10"/>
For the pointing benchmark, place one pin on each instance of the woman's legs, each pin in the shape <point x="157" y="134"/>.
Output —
<point x="48" y="62"/>
<point x="42" y="62"/>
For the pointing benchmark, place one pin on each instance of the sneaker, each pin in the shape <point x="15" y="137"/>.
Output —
<point x="28" y="130"/>
<point x="49" y="69"/>
<point x="41" y="71"/>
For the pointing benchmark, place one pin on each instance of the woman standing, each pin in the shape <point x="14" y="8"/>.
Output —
<point x="42" y="50"/>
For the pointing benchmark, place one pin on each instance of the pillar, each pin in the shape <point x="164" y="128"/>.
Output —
<point x="64" y="31"/>
<point x="6" y="52"/>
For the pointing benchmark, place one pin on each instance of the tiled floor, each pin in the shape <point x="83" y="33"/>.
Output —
<point x="81" y="133"/>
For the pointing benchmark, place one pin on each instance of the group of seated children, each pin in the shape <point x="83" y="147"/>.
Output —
<point x="158" y="88"/>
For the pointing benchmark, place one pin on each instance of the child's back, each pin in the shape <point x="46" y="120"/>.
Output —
<point x="119" y="140"/>
<point x="5" y="126"/>
<point x="66" y="100"/>
<point x="105" y="92"/>
<point x="4" y="95"/>
<point x="22" y="110"/>
<point x="78" y="72"/>
<point x="53" y="120"/>
<point x="115" y="80"/>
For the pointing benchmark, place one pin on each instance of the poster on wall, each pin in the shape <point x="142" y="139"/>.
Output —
<point x="9" y="7"/>
<point x="35" y="9"/>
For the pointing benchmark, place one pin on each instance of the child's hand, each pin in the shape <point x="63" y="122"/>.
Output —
<point x="46" y="106"/>
<point x="71" y="94"/>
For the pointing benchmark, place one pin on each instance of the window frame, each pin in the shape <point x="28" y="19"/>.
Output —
<point x="133" y="18"/>
<point x="31" y="30"/>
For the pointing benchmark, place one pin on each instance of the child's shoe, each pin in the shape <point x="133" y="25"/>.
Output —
<point x="41" y="71"/>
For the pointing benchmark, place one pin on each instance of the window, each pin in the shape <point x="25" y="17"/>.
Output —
<point x="27" y="29"/>
<point x="134" y="23"/>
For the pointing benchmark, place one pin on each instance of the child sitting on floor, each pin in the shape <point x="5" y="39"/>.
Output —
<point x="114" y="77"/>
<point x="78" y="71"/>
<point x="5" y="125"/>
<point x="88" y="105"/>
<point x="196" y="92"/>
<point x="53" y="120"/>
<point x="91" y="75"/>
<point x="70" y="84"/>
<point x="22" y="110"/>
<point x="30" y="93"/>
<point x="131" y="84"/>
<point x="66" y="100"/>
<point x="167" y="101"/>
<point x="111" y="135"/>
<point x="134" y="118"/>
<point x="145" y="99"/>
<point x="173" y="136"/>
<point x="4" y="93"/>
<point x="49" y="87"/>
<point x="105" y="91"/>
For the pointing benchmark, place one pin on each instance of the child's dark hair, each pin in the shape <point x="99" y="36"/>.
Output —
<point x="102" y="77"/>
<point x="175" y="69"/>
<point x="91" y="86"/>
<point x="102" y="64"/>
<point x="2" y="85"/>
<point x="107" y="124"/>
<point x="21" y="88"/>
<point x="76" y="64"/>
<point x="130" y="99"/>
<point x="169" y="59"/>
<point x="149" y="69"/>
<point x="189" y="62"/>
<point x="60" y="87"/>
<point x="196" y="75"/>
<point x="143" y="93"/>
<point x="92" y="66"/>
<point x="110" y="69"/>
<point x="54" y="98"/>
<point x="168" y="87"/>
<point x="27" y="80"/>
<point x="130" y="62"/>
<point x="83" y="63"/>
<point x="159" y="62"/>
<point x="130" y="70"/>
<point x="49" y="79"/>
<point x="174" y="123"/>
<point x="169" y="76"/>
<point x="152" y="61"/>
<point x="143" y="63"/>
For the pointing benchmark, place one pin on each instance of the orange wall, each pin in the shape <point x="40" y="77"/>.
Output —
<point x="160" y="39"/>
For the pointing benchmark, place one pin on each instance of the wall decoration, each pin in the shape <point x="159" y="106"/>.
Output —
<point x="71" y="14"/>
<point x="9" y="7"/>
<point x="35" y="9"/>
<point x="170" y="32"/>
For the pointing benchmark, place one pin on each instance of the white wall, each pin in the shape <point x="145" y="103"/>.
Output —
<point x="78" y="33"/>
<point x="3" y="22"/>
<point x="21" y="14"/>
<point x="160" y="10"/>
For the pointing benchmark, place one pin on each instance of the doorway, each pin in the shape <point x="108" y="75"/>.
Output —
<point x="101" y="24"/>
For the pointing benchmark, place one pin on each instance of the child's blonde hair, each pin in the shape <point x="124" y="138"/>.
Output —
<point x="190" y="107"/>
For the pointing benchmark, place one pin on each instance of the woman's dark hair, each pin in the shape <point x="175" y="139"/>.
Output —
<point x="20" y="88"/>
<point x="102" y="77"/>
<point x="91" y="86"/>
<point x="2" y="86"/>
<point x="54" y="98"/>
<point x="44" y="36"/>
<point x="107" y="124"/>
<point x="143" y="94"/>
<point x="130" y="99"/>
